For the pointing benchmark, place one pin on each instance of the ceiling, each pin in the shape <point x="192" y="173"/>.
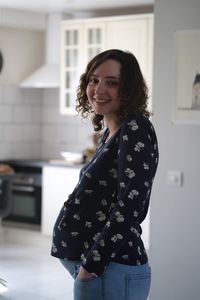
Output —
<point x="67" y="6"/>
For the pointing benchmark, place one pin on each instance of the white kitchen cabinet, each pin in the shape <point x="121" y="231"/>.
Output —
<point x="80" y="41"/>
<point x="58" y="183"/>
<point x="134" y="35"/>
<point x="83" y="39"/>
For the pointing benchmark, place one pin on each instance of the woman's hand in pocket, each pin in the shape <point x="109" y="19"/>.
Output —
<point x="83" y="274"/>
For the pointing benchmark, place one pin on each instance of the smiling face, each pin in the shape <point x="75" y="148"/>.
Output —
<point x="103" y="89"/>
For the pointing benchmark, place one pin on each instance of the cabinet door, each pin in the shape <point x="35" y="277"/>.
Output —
<point x="94" y="39"/>
<point x="71" y="57"/>
<point x="79" y="43"/>
<point x="136" y="36"/>
<point x="58" y="183"/>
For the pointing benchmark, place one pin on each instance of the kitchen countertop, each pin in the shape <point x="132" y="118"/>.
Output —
<point x="38" y="163"/>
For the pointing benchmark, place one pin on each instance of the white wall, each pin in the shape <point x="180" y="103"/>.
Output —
<point x="175" y="211"/>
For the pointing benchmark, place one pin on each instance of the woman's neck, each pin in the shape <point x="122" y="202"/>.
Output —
<point x="112" y="127"/>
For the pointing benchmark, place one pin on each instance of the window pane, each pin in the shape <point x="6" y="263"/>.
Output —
<point x="67" y="37"/>
<point x="74" y="57"/>
<point x="98" y="36"/>
<point x="67" y="80"/>
<point x="98" y="50"/>
<point x="75" y="37"/>
<point x="71" y="58"/>
<point x="90" y="36"/>
<point x="67" y="100"/>
<point x="89" y="54"/>
<point x="71" y="79"/>
<point x="74" y="80"/>
<point x="67" y="58"/>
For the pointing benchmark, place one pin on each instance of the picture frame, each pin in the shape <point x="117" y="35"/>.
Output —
<point x="186" y="108"/>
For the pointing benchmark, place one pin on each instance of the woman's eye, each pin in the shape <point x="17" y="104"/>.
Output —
<point x="93" y="81"/>
<point x="112" y="83"/>
<point x="109" y="83"/>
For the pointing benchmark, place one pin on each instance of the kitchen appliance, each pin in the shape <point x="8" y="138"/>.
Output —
<point x="26" y="192"/>
<point x="48" y="75"/>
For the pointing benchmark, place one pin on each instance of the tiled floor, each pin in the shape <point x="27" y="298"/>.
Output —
<point x="31" y="273"/>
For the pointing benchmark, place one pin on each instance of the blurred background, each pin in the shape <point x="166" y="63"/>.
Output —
<point x="44" y="47"/>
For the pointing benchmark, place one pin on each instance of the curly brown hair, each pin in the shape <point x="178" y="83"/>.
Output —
<point x="133" y="90"/>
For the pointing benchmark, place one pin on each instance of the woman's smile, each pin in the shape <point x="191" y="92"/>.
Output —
<point x="101" y="101"/>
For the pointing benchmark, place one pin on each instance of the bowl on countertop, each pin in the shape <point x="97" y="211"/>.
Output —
<point x="72" y="157"/>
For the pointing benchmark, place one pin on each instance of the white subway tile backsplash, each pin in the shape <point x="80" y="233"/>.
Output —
<point x="31" y="125"/>
<point x="51" y="97"/>
<point x="32" y="96"/>
<point x="12" y="95"/>
<point x="5" y="151"/>
<point x="55" y="133"/>
<point x="50" y="114"/>
<point x="1" y="133"/>
<point x="25" y="150"/>
<point x="50" y="150"/>
<point x="22" y="114"/>
<point x="31" y="132"/>
<point x="13" y="132"/>
<point x="22" y="132"/>
<point x="36" y="150"/>
<point x="1" y="94"/>
<point x="20" y="122"/>
<point x="6" y="113"/>
<point x="36" y="114"/>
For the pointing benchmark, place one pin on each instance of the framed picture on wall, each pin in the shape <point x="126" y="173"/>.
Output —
<point x="187" y="77"/>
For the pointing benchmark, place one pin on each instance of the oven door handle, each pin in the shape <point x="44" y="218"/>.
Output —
<point x="22" y="188"/>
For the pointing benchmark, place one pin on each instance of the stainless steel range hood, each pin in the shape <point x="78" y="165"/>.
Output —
<point x="48" y="75"/>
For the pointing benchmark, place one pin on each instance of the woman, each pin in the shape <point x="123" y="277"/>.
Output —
<point x="97" y="235"/>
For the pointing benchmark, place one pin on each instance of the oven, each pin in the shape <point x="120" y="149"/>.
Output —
<point x="26" y="199"/>
<point x="26" y="191"/>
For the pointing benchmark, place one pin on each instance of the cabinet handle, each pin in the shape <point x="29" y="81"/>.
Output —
<point x="23" y="188"/>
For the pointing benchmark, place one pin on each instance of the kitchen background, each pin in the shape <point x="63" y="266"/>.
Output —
<point x="35" y="125"/>
<point x="31" y="125"/>
<point x="40" y="131"/>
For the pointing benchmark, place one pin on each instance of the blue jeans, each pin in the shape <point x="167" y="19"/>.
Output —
<point x="118" y="282"/>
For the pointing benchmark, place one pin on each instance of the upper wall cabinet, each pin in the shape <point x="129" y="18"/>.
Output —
<point x="80" y="41"/>
<point x="83" y="39"/>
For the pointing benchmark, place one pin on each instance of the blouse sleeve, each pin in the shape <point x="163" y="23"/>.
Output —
<point x="137" y="163"/>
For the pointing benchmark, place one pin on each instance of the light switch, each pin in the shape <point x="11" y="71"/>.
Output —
<point x="174" y="178"/>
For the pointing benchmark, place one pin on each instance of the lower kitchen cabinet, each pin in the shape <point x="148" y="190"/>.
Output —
<point x="57" y="183"/>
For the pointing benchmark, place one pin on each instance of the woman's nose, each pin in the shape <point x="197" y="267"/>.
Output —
<point x="100" y="88"/>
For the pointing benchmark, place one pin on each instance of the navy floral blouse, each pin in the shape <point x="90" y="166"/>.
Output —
<point x="100" y="221"/>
